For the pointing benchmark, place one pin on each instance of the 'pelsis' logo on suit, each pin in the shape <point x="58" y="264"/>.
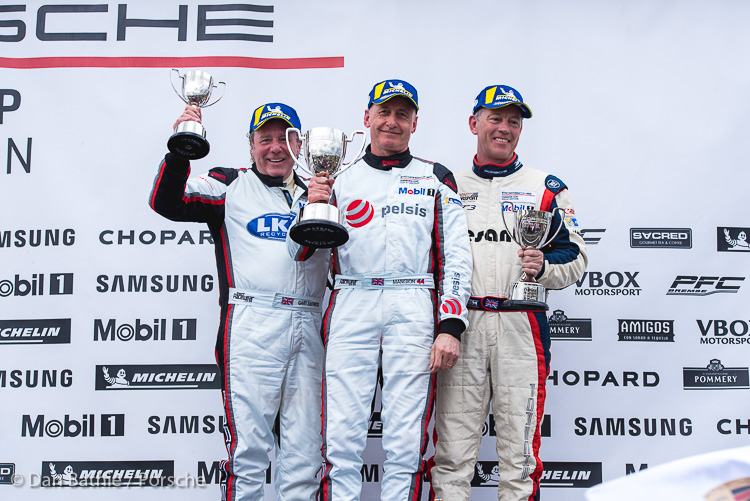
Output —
<point x="157" y="377"/>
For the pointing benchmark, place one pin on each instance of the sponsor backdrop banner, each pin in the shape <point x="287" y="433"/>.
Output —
<point x="108" y="312"/>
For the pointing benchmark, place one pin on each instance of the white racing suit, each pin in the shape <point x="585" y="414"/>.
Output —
<point x="403" y="275"/>
<point x="504" y="354"/>
<point x="268" y="347"/>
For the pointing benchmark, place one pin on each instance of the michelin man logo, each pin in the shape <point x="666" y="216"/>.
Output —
<point x="65" y="478"/>
<point x="493" y="476"/>
<point x="120" y="379"/>
<point x="399" y="85"/>
<point x="737" y="243"/>
<point x="506" y="94"/>
<point x="272" y="110"/>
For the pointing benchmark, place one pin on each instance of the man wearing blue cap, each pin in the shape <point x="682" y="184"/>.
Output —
<point x="268" y="349"/>
<point x="504" y="352"/>
<point x="400" y="288"/>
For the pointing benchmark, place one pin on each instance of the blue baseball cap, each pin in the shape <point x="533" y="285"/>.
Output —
<point x="499" y="96"/>
<point x="263" y="114"/>
<point x="383" y="91"/>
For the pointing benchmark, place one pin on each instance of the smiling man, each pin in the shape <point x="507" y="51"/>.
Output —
<point x="504" y="352"/>
<point x="268" y="349"/>
<point x="399" y="301"/>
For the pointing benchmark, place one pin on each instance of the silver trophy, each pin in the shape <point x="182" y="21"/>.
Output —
<point x="321" y="224"/>
<point x="530" y="230"/>
<point x="189" y="140"/>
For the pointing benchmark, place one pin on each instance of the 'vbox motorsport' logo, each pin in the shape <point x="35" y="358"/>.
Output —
<point x="59" y="283"/>
<point x="110" y="425"/>
<point x="730" y="239"/>
<point x="671" y="238"/>
<point x="715" y="377"/>
<point x="182" y="329"/>
<point x="157" y="377"/>
<point x="569" y="329"/>
<point x="42" y="331"/>
<point x="724" y="332"/>
<point x="556" y="474"/>
<point x="645" y="330"/>
<point x="691" y="285"/>
<point x="107" y="473"/>
<point x="613" y="283"/>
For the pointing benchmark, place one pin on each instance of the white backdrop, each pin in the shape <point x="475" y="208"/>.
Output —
<point x="639" y="107"/>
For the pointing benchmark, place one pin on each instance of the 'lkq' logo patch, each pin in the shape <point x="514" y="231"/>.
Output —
<point x="157" y="377"/>
<point x="271" y="226"/>
<point x="715" y="377"/>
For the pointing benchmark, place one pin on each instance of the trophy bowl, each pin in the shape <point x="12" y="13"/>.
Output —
<point x="321" y="225"/>
<point x="531" y="229"/>
<point x="189" y="139"/>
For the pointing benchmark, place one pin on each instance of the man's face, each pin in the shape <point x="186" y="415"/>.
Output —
<point x="391" y="125"/>
<point x="268" y="145"/>
<point x="497" y="132"/>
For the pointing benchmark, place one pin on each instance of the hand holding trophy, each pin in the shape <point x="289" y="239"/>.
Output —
<point x="189" y="140"/>
<point x="530" y="230"/>
<point x="320" y="224"/>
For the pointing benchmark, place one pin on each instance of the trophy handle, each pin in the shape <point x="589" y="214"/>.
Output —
<point x="294" y="157"/>
<point x="171" y="80"/>
<point x="512" y="234"/>
<point x="562" y="223"/>
<point x="346" y="165"/>
<point x="223" y="90"/>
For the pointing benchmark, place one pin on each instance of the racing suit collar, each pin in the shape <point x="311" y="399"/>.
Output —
<point x="488" y="171"/>
<point x="270" y="181"/>
<point x="399" y="160"/>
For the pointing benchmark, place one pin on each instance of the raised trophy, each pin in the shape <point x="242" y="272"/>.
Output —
<point x="321" y="224"/>
<point x="531" y="229"/>
<point x="189" y="140"/>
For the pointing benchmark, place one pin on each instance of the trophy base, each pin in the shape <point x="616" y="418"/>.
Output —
<point x="320" y="225"/>
<point x="319" y="233"/>
<point x="527" y="296"/>
<point x="188" y="145"/>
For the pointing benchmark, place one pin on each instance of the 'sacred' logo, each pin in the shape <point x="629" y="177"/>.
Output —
<point x="359" y="213"/>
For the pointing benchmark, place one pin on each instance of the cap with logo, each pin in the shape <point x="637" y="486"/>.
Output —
<point x="263" y="114"/>
<point x="499" y="96"/>
<point x="383" y="91"/>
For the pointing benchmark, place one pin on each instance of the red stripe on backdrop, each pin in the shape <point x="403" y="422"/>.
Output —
<point x="294" y="63"/>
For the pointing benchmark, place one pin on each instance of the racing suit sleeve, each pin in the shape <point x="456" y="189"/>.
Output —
<point x="179" y="199"/>
<point x="452" y="251"/>
<point x="565" y="257"/>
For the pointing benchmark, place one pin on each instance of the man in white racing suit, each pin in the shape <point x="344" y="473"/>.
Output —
<point x="268" y="348"/>
<point x="400" y="287"/>
<point x="504" y="353"/>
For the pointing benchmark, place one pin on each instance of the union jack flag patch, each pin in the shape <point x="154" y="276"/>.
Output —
<point x="491" y="303"/>
<point x="378" y="281"/>
<point x="287" y="300"/>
